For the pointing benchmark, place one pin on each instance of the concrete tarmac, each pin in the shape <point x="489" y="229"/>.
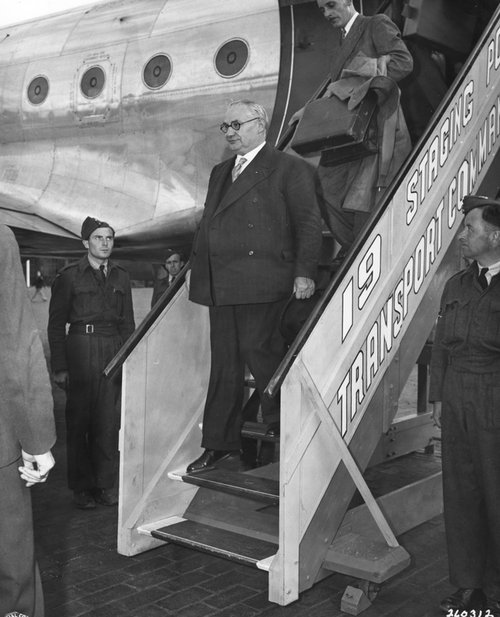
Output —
<point x="84" y="576"/>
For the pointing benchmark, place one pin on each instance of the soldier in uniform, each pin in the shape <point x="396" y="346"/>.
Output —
<point x="94" y="297"/>
<point x="465" y="390"/>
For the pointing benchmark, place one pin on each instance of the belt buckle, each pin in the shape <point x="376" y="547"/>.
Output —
<point x="89" y="328"/>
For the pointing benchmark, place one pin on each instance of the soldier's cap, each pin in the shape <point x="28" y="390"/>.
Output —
<point x="90" y="224"/>
<point x="477" y="201"/>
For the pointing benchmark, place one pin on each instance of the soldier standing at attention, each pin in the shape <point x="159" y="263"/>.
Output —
<point x="94" y="297"/>
<point x="465" y="390"/>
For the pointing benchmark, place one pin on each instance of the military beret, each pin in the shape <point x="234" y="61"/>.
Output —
<point x="477" y="201"/>
<point x="90" y="224"/>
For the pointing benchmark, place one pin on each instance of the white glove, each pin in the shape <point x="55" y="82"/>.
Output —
<point x="36" y="467"/>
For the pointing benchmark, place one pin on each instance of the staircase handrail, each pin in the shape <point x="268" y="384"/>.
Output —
<point x="139" y="333"/>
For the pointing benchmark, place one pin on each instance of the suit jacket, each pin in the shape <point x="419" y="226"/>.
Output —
<point x="374" y="37"/>
<point x="160" y="285"/>
<point x="26" y="418"/>
<point x="258" y="235"/>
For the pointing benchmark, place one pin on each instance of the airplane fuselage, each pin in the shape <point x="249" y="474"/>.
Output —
<point x="113" y="111"/>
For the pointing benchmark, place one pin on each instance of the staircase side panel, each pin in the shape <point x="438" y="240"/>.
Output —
<point x="389" y="286"/>
<point x="162" y="404"/>
<point x="347" y="352"/>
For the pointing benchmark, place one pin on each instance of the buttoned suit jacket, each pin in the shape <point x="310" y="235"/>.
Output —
<point x="374" y="37"/>
<point x="160" y="286"/>
<point x="258" y="235"/>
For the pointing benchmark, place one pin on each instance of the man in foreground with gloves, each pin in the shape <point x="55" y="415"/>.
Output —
<point x="94" y="297"/>
<point x="27" y="433"/>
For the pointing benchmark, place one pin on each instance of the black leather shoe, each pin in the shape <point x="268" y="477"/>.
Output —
<point x="273" y="429"/>
<point x="83" y="500"/>
<point x="105" y="497"/>
<point x="464" y="600"/>
<point x="493" y="606"/>
<point x="207" y="460"/>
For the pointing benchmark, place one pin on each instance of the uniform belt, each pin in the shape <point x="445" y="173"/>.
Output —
<point x="475" y="364"/>
<point x="99" y="328"/>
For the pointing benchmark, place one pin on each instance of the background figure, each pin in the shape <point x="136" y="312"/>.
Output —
<point x="93" y="295"/>
<point x="174" y="262"/>
<point x="258" y="242"/>
<point x="465" y="378"/>
<point x="485" y="10"/>
<point x="349" y="190"/>
<point x="27" y="433"/>
<point x="39" y="283"/>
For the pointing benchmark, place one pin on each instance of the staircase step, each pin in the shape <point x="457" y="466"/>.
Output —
<point x="257" y="430"/>
<point x="234" y="483"/>
<point x="220" y="542"/>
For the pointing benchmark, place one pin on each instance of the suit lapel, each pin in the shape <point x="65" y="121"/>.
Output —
<point x="349" y="45"/>
<point x="257" y="171"/>
<point x="218" y="181"/>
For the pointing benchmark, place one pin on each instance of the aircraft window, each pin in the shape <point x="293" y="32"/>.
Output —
<point x="93" y="82"/>
<point x="231" y="58"/>
<point x="38" y="90"/>
<point x="157" y="71"/>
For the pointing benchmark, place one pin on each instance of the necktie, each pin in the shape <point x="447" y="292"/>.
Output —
<point x="343" y="33"/>
<point x="483" y="281"/>
<point x="237" y="168"/>
<point x="102" y="272"/>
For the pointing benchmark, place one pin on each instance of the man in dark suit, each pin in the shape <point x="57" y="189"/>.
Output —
<point x="257" y="243"/>
<point x="174" y="262"/>
<point x="370" y="47"/>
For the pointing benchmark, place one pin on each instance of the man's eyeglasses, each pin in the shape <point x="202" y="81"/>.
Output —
<point x="235" y="125"/>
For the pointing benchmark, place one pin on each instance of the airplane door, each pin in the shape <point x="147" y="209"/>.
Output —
<point x="304" y="59"/>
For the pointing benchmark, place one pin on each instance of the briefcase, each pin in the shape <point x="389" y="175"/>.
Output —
<point x="329" y="128"/>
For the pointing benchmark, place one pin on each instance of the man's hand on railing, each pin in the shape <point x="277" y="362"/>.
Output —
<point x="329" y="91"/>
<point x="296" y="117"/>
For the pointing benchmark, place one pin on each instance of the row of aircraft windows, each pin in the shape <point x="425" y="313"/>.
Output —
<point x="230" y="59"/>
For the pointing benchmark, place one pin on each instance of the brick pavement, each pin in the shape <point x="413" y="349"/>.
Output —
<point x="84" y="576"/>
